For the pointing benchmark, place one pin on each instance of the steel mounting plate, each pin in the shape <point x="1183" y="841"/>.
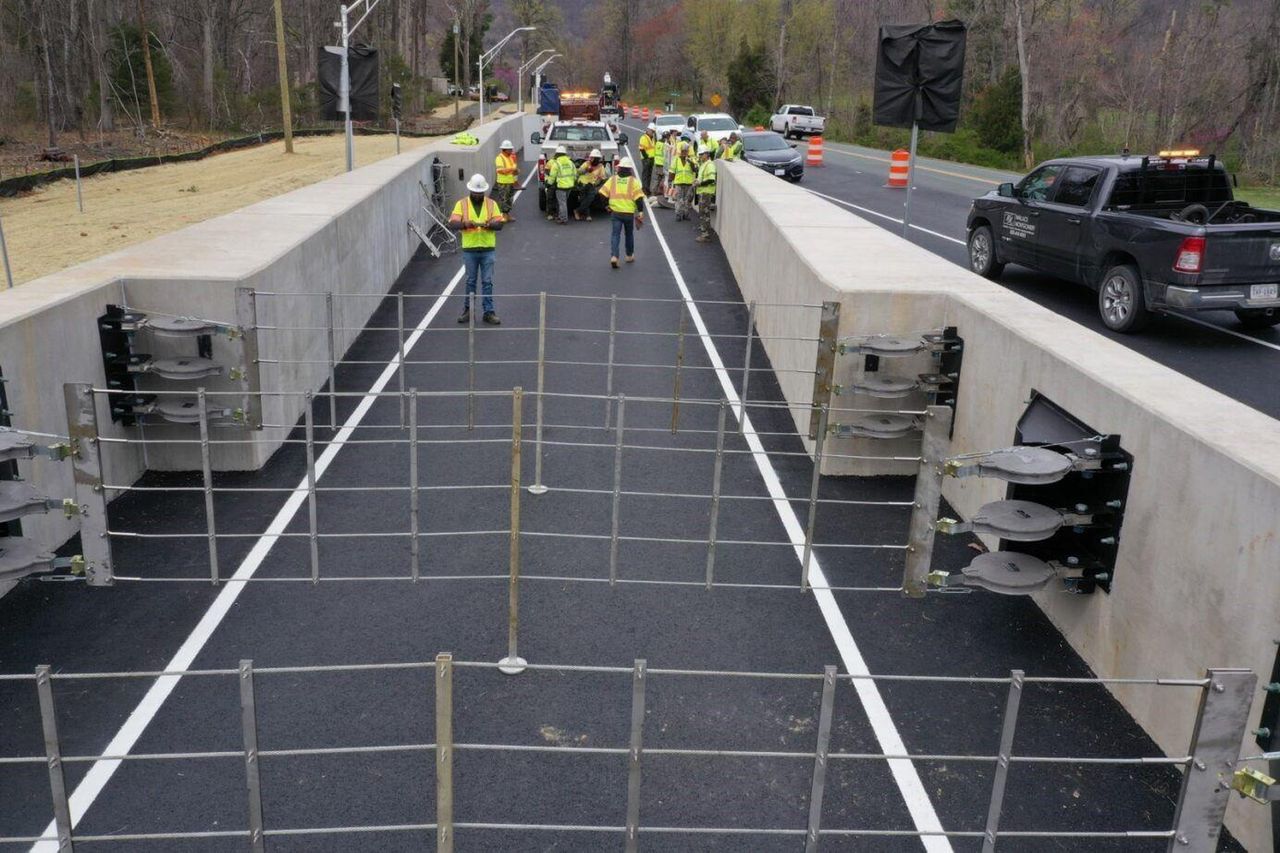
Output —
<point x="19" y="498"/>
<point x="885" y="387"/>
<point x="183" y="410"/>
<point x="20" y="557"/>
<point x="1028" y="465"/>
<point x="891" y="346"/>
<point x="1019" y="521"/>
<point x="179" y="327"/>
<point x="1008" y="573"/>
<point x="15" y="445"/>
<point x="875" y="425"/>
<point x="184" y="367"/>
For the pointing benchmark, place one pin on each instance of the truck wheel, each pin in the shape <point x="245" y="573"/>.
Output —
<point x="542" y="199"/>
<point x="1121" y="302"/>
<point x="786" y="131"/>
<point x="982" y="253"/>
<point x="1258" y="318"/>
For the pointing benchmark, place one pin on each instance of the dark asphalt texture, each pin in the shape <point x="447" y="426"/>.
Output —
<point x="139" y="626"/>
<point x="1241" y="369"/>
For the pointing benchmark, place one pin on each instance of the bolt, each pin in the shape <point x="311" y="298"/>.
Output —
<point x="1082" y="507"/>
<point x="1107" y="540"/>
<point x="1073" y="561"/>
<point x="1263" y="732"/>
<point x="1273" y="687"/>
<point x="1115" y="504"/>
<point x="1091" y="451"/>
<point x="1219" y="687"/>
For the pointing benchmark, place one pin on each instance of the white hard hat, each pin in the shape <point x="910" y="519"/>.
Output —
<point x="595" y="152"/>
<point x="625" y="163"/>
<point x="560" y="149"/>
<point x="652" y="126"/>
<point x="477" y="184"/>
<point x="506" y="143"/>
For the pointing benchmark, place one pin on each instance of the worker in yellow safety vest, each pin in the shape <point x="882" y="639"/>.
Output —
<point x="478" y="218"/>
<point x="706" y="143"/>
<point x="706" y="190"/>
<point x="561" y="176"/>
<point x="730" y="148"/>
<point x="648" y="142"/>
<point x="682" y="169"/>
<point x="507" y="173"/>
<point x="625" y="194"/>
<point x="591" y="174"/>
<point x="658" y="172"/>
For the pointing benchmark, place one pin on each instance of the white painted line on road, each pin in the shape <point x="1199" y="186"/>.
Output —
<point x="936" y="171"/>
<point x="904" y="772"/>
<point x="1223" y="329"/>
<point x="871" y="212"/>
<point x="127" y="737"/>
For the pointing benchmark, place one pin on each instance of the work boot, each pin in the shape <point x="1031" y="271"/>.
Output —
<point x="550" y="216"/>
<point x="613" y="262"/>
<point x="492" y="319"/>
<point x="465" y="316"/>
<point x="702" y="238"/>
<point x="631" y="259"/>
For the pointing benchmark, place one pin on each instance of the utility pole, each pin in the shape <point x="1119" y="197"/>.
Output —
<point x="146" y="61"/>
<point x="457" y="83"/>
<point x="282" y="68"/>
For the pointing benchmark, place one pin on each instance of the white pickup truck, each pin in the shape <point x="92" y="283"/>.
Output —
<point x="797" y="120"/>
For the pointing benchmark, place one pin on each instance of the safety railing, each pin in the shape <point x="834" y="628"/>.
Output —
<point x="1224" y="697"/>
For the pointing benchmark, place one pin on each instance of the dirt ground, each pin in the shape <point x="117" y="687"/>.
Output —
<point x="45" y="233"/>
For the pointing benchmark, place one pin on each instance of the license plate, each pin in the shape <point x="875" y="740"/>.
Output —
<point x="779" y="171"/>
<point x="1264" y="291"/>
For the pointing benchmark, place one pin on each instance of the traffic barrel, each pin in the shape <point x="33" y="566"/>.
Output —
<point x="815" y="151"/>
<point x="899" y="169"/>
<point x="635" y="111"/>
<point x="758" y="127"/>
<point x="644" y="112"/>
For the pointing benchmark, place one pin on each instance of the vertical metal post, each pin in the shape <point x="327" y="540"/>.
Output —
<point x="344" y="88"/>
<point x="444" y="753"/>
<point x="206" y="470"/>
<point x="1001" y="777"/>
<point x="333" y="364"/>
<point x="247" y="320"/>
<point x="911" y="176"/>
<point x="397" y="136"/>
<point x="79" y="194"/>
<point x="400" y="337"/>
<point x="928" y="497"/>
<point x="313" y="528"/>
<point x="414" y="495"/>
<point x="715" y="493"/>
<point x="746" y="364"/>
<point x="675" y="393"/>
<point x="818" y="446"/>
<point x="86" y="468"/>
<point x="1220" y="728"/>
<point x="608" y="375"/>
<point x="4" y="253"/>
<point x="53" y="751"/>
<point x="513" y="664"/>
<point x="633" y="756"/>
<point x="537" y="488"/>
<point x="824" y="366"/>
<point x="471" y="364"/>
<point x="249" y="722"/>
<point x="820" y="759"/>
<point x="619" y="431"/>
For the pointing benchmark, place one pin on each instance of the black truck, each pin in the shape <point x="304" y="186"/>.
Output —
<point x="1149" y="234"/>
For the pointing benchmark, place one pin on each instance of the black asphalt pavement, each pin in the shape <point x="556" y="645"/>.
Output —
<point x="137" y="626"/>
<point x="1211" y="348"/>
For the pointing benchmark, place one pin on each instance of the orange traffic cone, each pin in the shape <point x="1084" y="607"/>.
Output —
<point x="644" y="112"/>
<point x="899" y="169"/>
<point x="815" y="151"/>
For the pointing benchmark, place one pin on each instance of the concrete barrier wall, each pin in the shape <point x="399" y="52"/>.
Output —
<point x="1198" y="573"/>
<point x="345" y="235"/>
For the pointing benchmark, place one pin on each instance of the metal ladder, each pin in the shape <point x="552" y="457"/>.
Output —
<point x="434" y="229"/>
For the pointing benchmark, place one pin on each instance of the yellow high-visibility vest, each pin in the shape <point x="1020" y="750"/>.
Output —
<point x="683" y="168"/>
<point x="587" y="176"/>
<point x="707" y="178"/>
<point x="647" y="144"/>
<point x="473" y="236"/>
<point x="624" y="194"/>
<point x="506" y="168"/>
<point x="562" y="172"/>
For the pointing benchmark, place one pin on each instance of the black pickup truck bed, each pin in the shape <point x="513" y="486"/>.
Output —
<point x="1148" y="233"/>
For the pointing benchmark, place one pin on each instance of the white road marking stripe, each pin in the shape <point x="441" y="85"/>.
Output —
<point x="904" y="772"/>
<point x="871" y="212"/>
<point x="1224" y="330"/>
<point x="127" y="737"/>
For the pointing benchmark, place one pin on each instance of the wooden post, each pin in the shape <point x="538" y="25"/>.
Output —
<point x="146" y="61"/>
<point x="286" y="114"/>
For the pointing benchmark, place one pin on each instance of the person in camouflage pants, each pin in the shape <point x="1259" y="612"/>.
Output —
<point x="705" y="188"/>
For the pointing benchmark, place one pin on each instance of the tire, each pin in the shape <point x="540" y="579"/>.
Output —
<point x="796" y="179"/>
<point x="1258" y="318"/>
<point x="982" y="253"/>
<point x="542" y="199"/>
<point x="1122" y="304"/>
<point x="786" y="131"/>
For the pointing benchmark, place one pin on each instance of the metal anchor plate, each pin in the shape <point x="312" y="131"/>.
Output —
<point x="1029" y="465"/>
<point x="185" y="367"/>
<point x="885" y="346"/>
<point x="180" y="327"/>
<point x="874" y="425"/>
<point x="1008" y="573"/>
<point x="185" y="410"/>
<point x="884" y="387"/>
<point x="1020" y="521"/>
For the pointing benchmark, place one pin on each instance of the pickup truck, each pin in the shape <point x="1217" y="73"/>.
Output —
<point x="797" y="120"/>
<point x="1149" y="234"/>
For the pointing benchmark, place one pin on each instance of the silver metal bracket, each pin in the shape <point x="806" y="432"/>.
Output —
<point x="877" y="425"/>
<point x="90" y="497"/>
<point x="1026" y="465"/>
<point x="1009" y="573"/>
<point x="824" y="369"/>
<point x="1018" y="521"/>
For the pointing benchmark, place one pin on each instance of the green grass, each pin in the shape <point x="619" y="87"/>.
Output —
<point x="1264" y="197"/>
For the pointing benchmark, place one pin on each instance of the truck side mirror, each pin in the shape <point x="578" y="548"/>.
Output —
<point x="1005" y="191"/>
<point x="536" y="138"/>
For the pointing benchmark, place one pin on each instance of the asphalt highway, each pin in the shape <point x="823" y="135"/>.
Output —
<point x="279" y="618"/>
<point x="1209" y="347"/>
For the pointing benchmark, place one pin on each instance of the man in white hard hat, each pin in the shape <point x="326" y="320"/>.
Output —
<point x="649" y="146"/>
<point x="561" y="176"/>
<point x="591" y="174"/>
<point x="478" y="218"/>
<point x="626" y="199"/>
<point x="506" y="175"/>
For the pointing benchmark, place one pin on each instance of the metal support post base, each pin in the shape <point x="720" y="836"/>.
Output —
<point x="538" y="490"/>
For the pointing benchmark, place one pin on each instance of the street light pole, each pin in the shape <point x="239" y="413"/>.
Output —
<point x="537" y="72"/>
<point x="490" y="54"/>
<point x="520" y="76"/>
<point x="344" y="84"/>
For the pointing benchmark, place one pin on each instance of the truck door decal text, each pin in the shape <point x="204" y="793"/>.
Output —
<point x="1019" y="225"/>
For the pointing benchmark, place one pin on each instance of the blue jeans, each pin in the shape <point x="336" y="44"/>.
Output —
<point x="479" y="264"/>
<point x="620" y="224"/>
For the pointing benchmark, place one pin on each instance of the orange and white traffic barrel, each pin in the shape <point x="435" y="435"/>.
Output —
<point x="815" y="152"/>
<point x="758" y="127"/>
<point x="644" y="112"/>
<point x="899" y="169"/>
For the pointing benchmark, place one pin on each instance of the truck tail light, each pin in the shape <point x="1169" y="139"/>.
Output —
<point x="1190" y="256"/>
<point x="542" y="168"/>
